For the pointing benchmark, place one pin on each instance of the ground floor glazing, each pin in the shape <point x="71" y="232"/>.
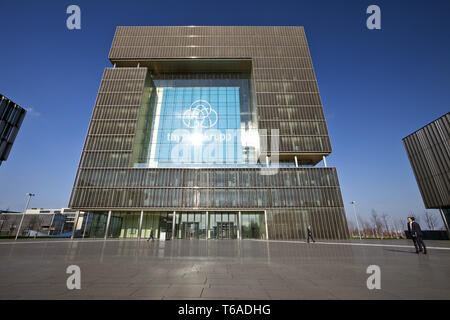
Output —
<point x="283" y="224"/>
<point x="170" y="225"/>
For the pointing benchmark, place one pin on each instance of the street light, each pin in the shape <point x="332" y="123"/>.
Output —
<point x="23" y="214"/>
<point x="356" y="217"/>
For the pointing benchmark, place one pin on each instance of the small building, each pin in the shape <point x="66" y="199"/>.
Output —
<point x="41" y="222"/>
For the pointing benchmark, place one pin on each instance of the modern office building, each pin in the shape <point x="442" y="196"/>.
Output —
<point x="210" y="133"/>
<point x="11" y="118"/>
<point x="428" y="151"/>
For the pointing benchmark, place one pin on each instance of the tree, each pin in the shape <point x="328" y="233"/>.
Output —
<point x="4" y="218"/>
<point x="431" y="220"/>
<point x="365" y="227"/>
<point x="399" y="225"/>
<point x="351" y="227"/>
<point x="417" y="218"/>
<point x="376" y="222"/>
<point x="385" y="218"/>
<point x="34" y="220"/>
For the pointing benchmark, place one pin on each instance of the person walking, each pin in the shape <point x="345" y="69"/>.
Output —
<point x="410" y="232"/>
<point x="151" y="235"/>
<point x="416" y="235"/>
<point x="310" y="234"/>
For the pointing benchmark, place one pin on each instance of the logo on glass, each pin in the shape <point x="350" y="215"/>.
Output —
<point x="200" y="115"/>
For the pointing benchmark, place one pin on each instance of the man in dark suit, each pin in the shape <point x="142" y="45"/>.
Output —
<point x="416" y="235"/>
<point x="310" y="234"/>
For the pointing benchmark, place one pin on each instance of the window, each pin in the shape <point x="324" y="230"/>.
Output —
<point x="197" y="121"/>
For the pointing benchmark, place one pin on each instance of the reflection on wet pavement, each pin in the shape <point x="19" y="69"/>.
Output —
<point x="221" y="269"/>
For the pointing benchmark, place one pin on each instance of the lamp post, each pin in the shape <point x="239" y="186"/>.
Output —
<point x="23" y="214"/>
<point x="356" y="217"/>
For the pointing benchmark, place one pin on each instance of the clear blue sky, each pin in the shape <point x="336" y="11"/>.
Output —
<point x="376" y="86"/>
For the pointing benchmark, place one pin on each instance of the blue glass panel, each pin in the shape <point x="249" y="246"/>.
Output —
<point x="199" y="122"/>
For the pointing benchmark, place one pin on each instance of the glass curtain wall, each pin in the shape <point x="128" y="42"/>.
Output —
<point x="223" y="225"/>
<point x="150" y="221"/>
<point x="197" y="119"/>
<point x="96" y="225"/>
<point x="326" y="223"/>
<point x="190" y="225"/>
<point x="158" y="222"/>
<point x="124" y="225"/>
<point x="253" y="225"/>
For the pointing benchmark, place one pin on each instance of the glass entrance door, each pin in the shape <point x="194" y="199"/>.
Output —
<point x="223" y="225"/>
<point x="165" y="225"/>
<point x="190" y="225"/>
<point x="225" y="230"/>
<point x="190" y="230"/>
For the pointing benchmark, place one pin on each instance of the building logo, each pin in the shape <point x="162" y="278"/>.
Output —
<point x="200" y="115"/>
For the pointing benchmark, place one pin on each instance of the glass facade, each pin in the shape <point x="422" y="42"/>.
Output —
<point x="150" y="222"/>
<point x="239" y="188"/>
<point x="183" y="123"/>
<point x="281" y="224"/>
<point x="188" y="225"/>
<point x="96" y="225"/>
<point x="124" y="225"/>
<point x="429" y="154"/>
<point x="197" y="120"/>
<point x="327" y="223"/>
<point x="253" y="226"/>
<point x="223" y="225"/>
<point x="286" y="91"/>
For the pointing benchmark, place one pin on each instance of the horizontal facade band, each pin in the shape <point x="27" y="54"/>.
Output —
<point x="108" y="151"/>
<point x="209" y="209"/>
<point x="258" y="106"/>
<point x="204" y="46"/>
<point x="112" y="119"/>
<point x="203" y="36"/>
<point x="292" y="120"/>
<point x="209" y="30"/>
<point x="208" y="177"/>
<point x="210" y="187"/>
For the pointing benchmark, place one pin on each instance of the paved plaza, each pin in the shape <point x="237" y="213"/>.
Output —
<point x="222" y="269"/>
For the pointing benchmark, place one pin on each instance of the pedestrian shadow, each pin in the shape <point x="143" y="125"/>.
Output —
<point x="404" y="251"/>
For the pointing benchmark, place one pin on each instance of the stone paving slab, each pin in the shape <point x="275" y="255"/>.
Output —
<point x="228" y="269"/>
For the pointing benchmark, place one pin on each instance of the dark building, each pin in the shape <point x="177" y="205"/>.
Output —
<point x="428" y="151"/>
<point x="11" y="117"/>
<point x="209" y="132"/>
